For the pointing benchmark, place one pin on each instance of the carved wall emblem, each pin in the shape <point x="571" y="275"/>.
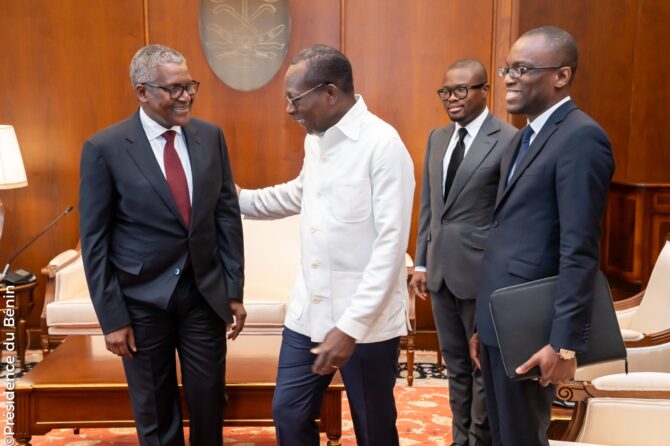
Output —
<point x="245" y="41"/>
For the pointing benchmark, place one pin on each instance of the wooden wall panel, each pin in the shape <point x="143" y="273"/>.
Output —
<point x="266" y="146"/>
<point x="648" y="142"/>
<point x="399" y="55"/>
<point x="64" y="71"/>
<point x="602" y="86"/>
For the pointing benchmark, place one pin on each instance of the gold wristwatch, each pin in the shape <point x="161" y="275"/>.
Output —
<point x="566" y="354"/>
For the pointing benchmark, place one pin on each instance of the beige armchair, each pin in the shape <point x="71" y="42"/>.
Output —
<point x="618" y="410"/>
<point x="272" y="258"/>
<point x="644" y="320"/>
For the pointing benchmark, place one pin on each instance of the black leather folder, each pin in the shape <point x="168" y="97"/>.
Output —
<point x="523" y="316"/>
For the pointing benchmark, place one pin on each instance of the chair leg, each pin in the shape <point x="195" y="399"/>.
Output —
<point x="44" y="341"/>
<point x="439" y="361"/>
<point x="410" y="360"/>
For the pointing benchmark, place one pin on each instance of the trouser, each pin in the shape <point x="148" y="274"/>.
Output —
<point x="369" y="377"/>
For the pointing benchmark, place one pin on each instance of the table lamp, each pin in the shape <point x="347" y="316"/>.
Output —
<point x="12" y="172"/>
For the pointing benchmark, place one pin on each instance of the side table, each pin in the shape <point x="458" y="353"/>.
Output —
<point x="16" y="303"/>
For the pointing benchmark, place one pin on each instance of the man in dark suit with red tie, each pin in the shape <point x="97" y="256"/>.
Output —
<point x="161" y="239"/>
<point x="553" y="186"/>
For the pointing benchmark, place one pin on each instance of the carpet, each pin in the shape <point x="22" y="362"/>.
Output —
<point x="424" y="417"/>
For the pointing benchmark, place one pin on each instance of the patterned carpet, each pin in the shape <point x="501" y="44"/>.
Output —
<point x="424" y="418"/>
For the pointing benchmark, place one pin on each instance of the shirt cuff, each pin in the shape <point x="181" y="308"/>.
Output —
<point x="246" y="200"/>
<point x="419" y="269"/>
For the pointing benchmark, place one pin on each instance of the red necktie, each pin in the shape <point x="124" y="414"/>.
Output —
<point x="176" y="178"/>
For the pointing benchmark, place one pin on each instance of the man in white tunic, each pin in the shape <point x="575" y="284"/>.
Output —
<point x="349" y="304"/>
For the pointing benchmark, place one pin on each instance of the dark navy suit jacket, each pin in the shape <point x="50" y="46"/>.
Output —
<point x="546" y="222"/>
<point x="134" y="242"/>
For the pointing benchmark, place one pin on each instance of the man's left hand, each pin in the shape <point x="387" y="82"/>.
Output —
<point x="554" y="369"/>
<point x="333" y="352"/>
<point x="237" y="307"/>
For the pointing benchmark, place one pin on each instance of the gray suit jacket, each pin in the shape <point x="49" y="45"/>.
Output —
<point x="452" y="234"/>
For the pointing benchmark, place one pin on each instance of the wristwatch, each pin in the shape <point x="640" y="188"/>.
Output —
<point x="566" y="354"/>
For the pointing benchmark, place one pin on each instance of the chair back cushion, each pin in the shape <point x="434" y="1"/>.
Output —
<point x="654" y="312"/>
<point x="271" y="259"/>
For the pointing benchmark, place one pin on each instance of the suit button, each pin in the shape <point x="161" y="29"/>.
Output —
<point x="177" y="271"/>
<point x="444" y="221"/>
<point x="316" y="300"/>
<point x="495" y="223"/>
<point x="315" y="264"/>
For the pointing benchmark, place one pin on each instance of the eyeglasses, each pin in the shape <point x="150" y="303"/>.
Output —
<point x="177" y="90"/>
<point x="458" y="92"/>
<point x="517" y="72"/>
<point x="294" y="99"/>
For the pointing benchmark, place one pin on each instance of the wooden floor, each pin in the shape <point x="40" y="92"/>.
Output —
<point x="80" y="384"/>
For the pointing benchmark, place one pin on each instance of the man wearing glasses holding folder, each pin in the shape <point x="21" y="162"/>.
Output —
<point x="553" y="186"/>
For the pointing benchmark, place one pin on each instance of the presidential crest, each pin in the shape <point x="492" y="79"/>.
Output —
<point x="245" y="41"/>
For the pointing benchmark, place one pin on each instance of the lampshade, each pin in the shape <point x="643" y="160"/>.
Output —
<point x="12" y="172"/>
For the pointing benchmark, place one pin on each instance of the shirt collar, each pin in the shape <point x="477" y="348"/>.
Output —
<point x="153" y="129"/>
<point x="474" y="125"/>
<point x="350" y="124"/>
<point x="539" y="122"/>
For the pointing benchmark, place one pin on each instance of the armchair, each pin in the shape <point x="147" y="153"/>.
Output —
<point x="272" y="258"/>
<point x="644" y="320"/>
<point x="618" y="410"/>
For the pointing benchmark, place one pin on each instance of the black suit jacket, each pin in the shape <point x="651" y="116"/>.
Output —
<point x="547" y="222"/>
<point x="134" y="242"/>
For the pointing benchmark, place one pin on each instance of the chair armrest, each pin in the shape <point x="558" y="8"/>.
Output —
<point x="631" y="335"/>
<point x="631" y="302"/>
<point x="651" y="339"/>
<point x="56" y="264"/>
<point x="642" y="385"/>
<point x="59" y="262"/>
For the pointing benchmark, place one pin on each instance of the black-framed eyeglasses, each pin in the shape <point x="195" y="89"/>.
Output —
<point x="459" y="92"/>
<point x="517" y="72"/>
<point x="177" y="90"/>
<point x="295" y="99"/>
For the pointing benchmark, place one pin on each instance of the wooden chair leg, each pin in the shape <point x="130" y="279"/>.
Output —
<point x="410" y="360"/>
<point x="439" y="361"/>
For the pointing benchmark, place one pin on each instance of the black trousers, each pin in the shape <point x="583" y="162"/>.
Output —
<point x="455" y="323"/>
<point x="190" y="327"/>
<point x="519" y="411"/>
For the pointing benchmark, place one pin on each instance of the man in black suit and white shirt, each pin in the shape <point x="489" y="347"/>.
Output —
<point x="162" y="247"/>
<point x="460" y="181"/>
<point x="546" y="222"/>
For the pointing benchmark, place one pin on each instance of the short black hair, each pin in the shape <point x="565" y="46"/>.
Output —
<point x="476" y="66"/>
<point x="561" y="42"/>
<point x="328" y="65"/>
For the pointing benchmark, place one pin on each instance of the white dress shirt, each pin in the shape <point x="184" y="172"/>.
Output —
<point x="354" y="196"/>
<point x="539" y="122"/>
<point x="154" y="132"/>
<point x="472" y="129"/>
